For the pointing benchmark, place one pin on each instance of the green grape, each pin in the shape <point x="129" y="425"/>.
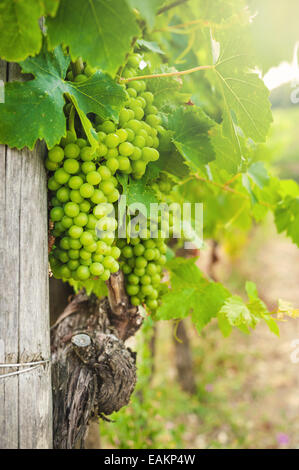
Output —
<point x="102" y="150"/>
<point x="66" y="222"/>
<point x="107" y="187"/>
<point x="148" y="97"/>
<point x="87" y="190"/>
<point x="93" y="178"/>
<point x="51" y="166"/>
<point x="108" y="127"/>
<point x="71" y="209"/>
<point x="132" y="290"/>
<point x="98" y="197"/>
<point x="83" y="273"/>
<point x="52" y="184"/>
<point x="86" y="154"/>
<point x="63" y="194"/>
<point x="61" y="176"/>
<point x="137" y="154"/>
<point x="86" y="238"/>
<point x="91" y="248"/>
<point x="73" y="264"/>
<point x="56" y="213"/>
<point x="85" y="206"/>
<point x="124" y="163"/>
<point x="56" y="154"/>
<point x="115" y="252"/>
<point x="88" y="167"/>
<point x="75" y="244"/>
<point x="81" y="143"/>
<point x="64" y="272"/>
<point x="75" y="182"/>
<point x="124" y="116"/>
<point x="84" y="254"/>
<point x="75" y="231"/>
<point x="122" y="135"/>
<point x="131" y="134"/>
<point x="153" y="120"/>
<point x="146" y="280"/>
<point x="126" y="149"/>
<point x="112" y="153"/>
<point x="71" y="166"/>
<point x="104" y="172"/>
<point x="106" y="275"/>
<point x="112" y="141"/>
<point x="134" y="125"/>
<point x="133" y="279"/>
<point x="150" y="154"/>
<point x="73" y="254"/>
<point x="72" y="151"/>
<point x="75" y="196"/>
<point x="112" y="165"/>
<point x="65" y="243"/>
<point x="96" y="269"/>
<point x="81" y="219"/>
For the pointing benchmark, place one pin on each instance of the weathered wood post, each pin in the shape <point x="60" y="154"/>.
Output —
<point x="25" y="399"/>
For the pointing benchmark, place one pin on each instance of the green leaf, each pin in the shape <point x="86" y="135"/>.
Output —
<point x="167" y="89"/>
<point x="191" y="294"/>
<point x="42" y="99"/>
<point x="19" y="29"/>
<point x="245" y="96"/>
<point x="150" y="45"/>
<point x="51" y="7"/>
<point x="259" y="174"/>
<point x="287" y="218"/>
<point x="227" y="158"/>
<point x="137" y="192"/>
<point x="99" y="31"/>
<point x="237" y="313"/>
<point x="172" y="163"/>
<point x="147" y="9"/>
<point x="190" y="128"/>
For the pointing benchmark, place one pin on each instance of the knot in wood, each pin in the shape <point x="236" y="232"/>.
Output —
<point x="81" y="341"/>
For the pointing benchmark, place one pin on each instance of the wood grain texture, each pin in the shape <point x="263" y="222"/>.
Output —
<point x="25" y="400"/>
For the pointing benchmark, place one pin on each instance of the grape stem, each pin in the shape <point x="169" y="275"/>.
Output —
<point x="170" y="6"/>
<point x="168" y="74"/>
<point x="226" y="187"/>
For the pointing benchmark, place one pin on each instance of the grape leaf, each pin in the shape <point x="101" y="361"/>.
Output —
<point x="137" y="192"/>
<point x="172" y="163"/>
<point x="19" y="29"/>
<point x="191" y="294"/>
<point x="150" y="45"/>
<point x="42" y="99"/>
<point x="51" y="6"/>
<point x="287" y="218"/>
<point x="166" y="90"/>
<point x="259" y="175"/>
<point x="99" y="31"/>
<point x="227" y="158"/>
<point x="20" y="32"/>
<point x="190" y="128"/>
<point x="245" y="96"/>
<point x="147" y="9"/>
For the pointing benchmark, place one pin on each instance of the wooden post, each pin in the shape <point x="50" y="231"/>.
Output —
<point x="25" y="399"/>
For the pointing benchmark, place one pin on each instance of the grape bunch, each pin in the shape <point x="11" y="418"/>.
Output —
<point x="82" y="195"/>
<point x="129" y="146"/>
<point x="84" y="186"/>
<point x="142" y="259"/>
